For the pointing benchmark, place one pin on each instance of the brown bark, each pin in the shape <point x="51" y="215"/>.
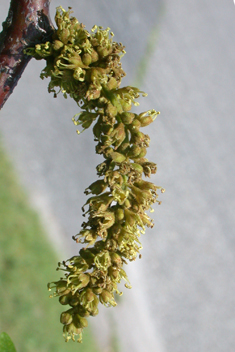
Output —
<point x="28" y="23"/>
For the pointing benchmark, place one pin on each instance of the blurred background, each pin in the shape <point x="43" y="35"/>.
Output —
<point x="182" y="54"/>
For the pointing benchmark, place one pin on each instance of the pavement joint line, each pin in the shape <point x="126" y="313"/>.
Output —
<point x="151" y="44"/>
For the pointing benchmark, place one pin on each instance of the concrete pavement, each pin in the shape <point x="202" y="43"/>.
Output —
<point x="183" y="288"/>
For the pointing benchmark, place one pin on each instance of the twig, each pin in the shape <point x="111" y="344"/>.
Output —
<point x="28" y="23"/>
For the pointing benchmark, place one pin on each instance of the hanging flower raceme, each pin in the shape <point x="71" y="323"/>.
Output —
<point x="86" y="66"/>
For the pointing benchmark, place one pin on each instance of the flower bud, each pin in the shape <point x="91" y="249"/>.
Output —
<point x="64" y="300"/>
<point x="142" y="153"/>
<point x="114" y="274"/>
<point x="126" y="104"/>
<point x="140" y="139"/>
<point x="61" y="287"/>
<point x="145" y="185"/>
<point x="74" y="301"/>
<point x="136" y="124"/>
<point x="107" y="298"/>
<point x="111" y="110"/>
<point x="145" y="121"/>
<point x="147" y="117"/>
<point x="57" y="45"/>
<point x="80" y="322"/>
<point x="87" y="297"/>
<point x="94" y="312"/>
<point x="129" y="218"/>
<point x="127" y="117"/>
<point x="137" y="167"/>
<point x="116" y="259"/>
<point x="94" y="56"/>
<point x="112" y="83"/>
<point x="86" y="59"/>
<point x="97" y="290"/>
<point x="117" y="157"/>
<point x="119" y="214"/>
<point x="82" y="311"/>
<point x="104" y="51"/>
<point x="96" y="187"/>
<point x="97" y="129"/>
<point x="66" y="317"/>
<point x="149" y="168"/>
<point x="70" y="331"/>
<point x="118" y="135"/>
<point x="63" y="35"/>
<point x="134" y="151"/>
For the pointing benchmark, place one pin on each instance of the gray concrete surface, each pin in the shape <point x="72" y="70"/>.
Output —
<point x="183" y="288"/>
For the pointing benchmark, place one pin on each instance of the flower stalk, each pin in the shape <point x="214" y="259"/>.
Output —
<point x="86" y="66"/>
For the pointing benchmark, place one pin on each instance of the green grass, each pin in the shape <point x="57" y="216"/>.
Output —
<point x="27" y="263"/>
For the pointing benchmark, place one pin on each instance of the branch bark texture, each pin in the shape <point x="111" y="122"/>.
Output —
<point x="28" y="23"/>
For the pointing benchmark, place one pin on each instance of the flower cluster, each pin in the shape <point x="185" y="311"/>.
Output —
<point x="86" y="66"/>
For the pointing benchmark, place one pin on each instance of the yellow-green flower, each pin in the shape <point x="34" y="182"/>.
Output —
<point x="86" y="66"/>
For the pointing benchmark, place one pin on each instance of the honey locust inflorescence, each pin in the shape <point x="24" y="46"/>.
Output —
<point x="86" y="66"/>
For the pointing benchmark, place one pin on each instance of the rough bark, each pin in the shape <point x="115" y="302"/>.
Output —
<point x="28" y="23"/>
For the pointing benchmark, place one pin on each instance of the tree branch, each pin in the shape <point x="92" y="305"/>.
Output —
<point x="28" y="23"/>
